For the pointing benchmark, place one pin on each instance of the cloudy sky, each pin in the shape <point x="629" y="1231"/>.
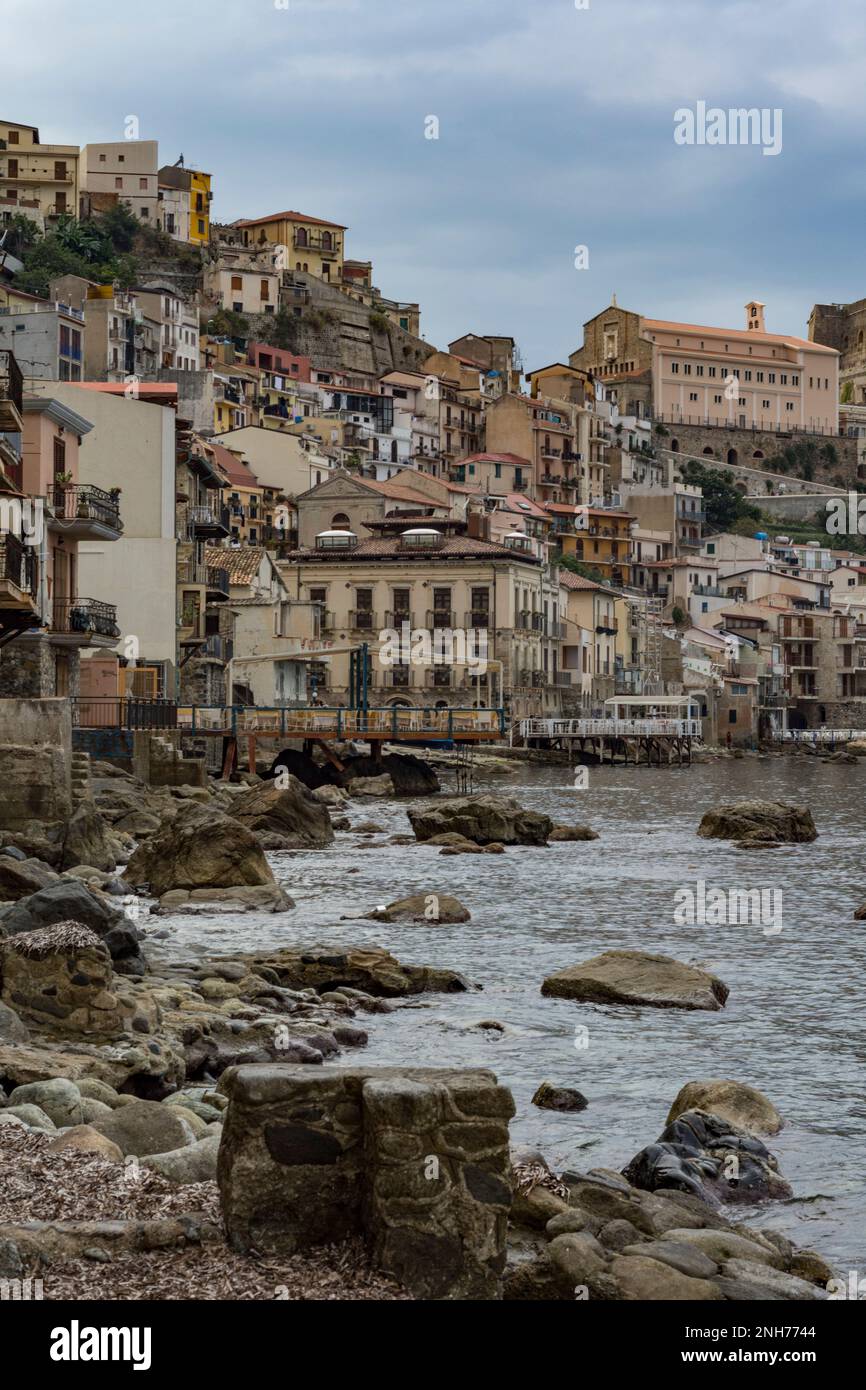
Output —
<point x="555" y="130"/>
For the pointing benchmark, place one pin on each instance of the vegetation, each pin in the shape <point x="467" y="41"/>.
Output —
<point x="568" y="562"/>
<point x="280" y="330"/>
<point x="801" y="457"/>
<point x="225" y="323"/>
<point x="379" y="322"/>
<point x="679" y="618"/>
<point x="724" y="504"/>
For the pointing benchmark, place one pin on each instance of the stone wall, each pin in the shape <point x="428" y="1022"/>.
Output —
<point x="740" y="446"/>
<point x="35" y="761"/>
<point x="159" y="761"/>
<point x="416" y="1160"/>
<point x="28" y="668"/>
<point x="831" y="714"/>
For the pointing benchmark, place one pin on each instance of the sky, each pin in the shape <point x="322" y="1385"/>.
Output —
<point x="556" y="123"/>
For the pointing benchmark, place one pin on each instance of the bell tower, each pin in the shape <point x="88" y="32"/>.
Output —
<point x="755" y="316"/>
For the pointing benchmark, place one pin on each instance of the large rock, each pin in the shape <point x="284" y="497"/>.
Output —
<point x="759" y="822"/>
<point x="86" y="1140"/>
<point x="86" y="840"/>
<point x="11" y="1027"/>
<point x="71" y="901"/>
<point x="710" y="1158"/>
<point x="266" y="897"/>
<point x="200" y="848"/>
<point x="573" y="832"/>
<point x="195" y="1163"/>
<point x="59" y="1099"/>
<point x="292" y="813"/>
<point x="371" y="786"/>
<point x="484" y="819"/>
<point x="640" y="1279"/>
<point x="740" y="1105"/>
<point x="20" y="878"/>
<point x="637" y="977"/>
<point x="146" y="1127"/>
<point x="422" y="907"/>
<point x="367" y="968"/>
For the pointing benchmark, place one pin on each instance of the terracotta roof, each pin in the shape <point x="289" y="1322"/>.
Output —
<point x="145" y="390"/>
<point x="452" y="547"/>
<point x="748" y="335"/>
<point x="496" y="458"/>
<point x="235" y="469"/>
<point x="400" y="493"/>
<point x="242" y="563"/>
<point x="679" y="564"/>
<point x="287" y="217"/>
<point x="569" y="580"/>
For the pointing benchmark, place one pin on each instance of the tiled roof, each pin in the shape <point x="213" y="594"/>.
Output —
<point x="569" y="580"/>
<point x="287" y="217"/>
<point x="242" y="563"/>
<point x="452" y="548"/>
<point x="743" y="335"/>
<point x="496" y="458"/>
<point x="236" y="470"/>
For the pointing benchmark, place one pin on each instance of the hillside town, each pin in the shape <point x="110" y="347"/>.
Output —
<point x="229" y="465"/>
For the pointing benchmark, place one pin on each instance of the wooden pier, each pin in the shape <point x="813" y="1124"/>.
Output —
<point x="615" y="740"/>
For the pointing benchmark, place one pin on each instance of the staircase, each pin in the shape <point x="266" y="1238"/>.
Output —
<point x="80" y="779"/>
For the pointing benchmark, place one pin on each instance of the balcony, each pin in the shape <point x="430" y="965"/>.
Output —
<point x="11" y="393"/>
<point x="477" y="617"/>
<point x="18" y="582"/>
<point x="397" y="678"/>
<point x="84" y="622"/>
<point x="85" y="512"/>
<point x="205" y="522"/>
<point x="217" y="584"/>
<point x="441" y="617"/>
<point x="363" y="620"/>
<point x="396" y="620"/>
<point x="311" y="241"/>
<point x="216" y="648"/>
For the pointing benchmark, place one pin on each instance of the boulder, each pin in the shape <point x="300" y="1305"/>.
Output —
<point x="371" y="786"/>
<point x="638" y="977"/>
<point x="573" y="832"/>
<point x="367" y="968"/>
<point x="549" y="1097"/>
<point x="410" y="775"/>
<point x="737" y="1277"/>
<point x="71" y="901"/>
<point x="758" y="822"/>
<point x="483" y="819"/>
<point x="710" y="1158"/>
<point x="87" y="1140"/>
<point x="266" y="897"/>
<point x="12" y="1029"/>
<point x="640" y="1279"/>
<point x="146" y="1127"/>
<point x="421" y="907"/>
<point x="21" y="877"/>
<point x="86" y="841"/>
<point x="200" y="848"/>
<point x="740" y="1105"/>
<point x="33" y="1116"/>
<point x="195" y="1163"/>
<point x="59" y="1099"/>
<point x="291" y="812"/>
<point x="329" y="795"/>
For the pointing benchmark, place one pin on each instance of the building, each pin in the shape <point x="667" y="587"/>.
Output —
<point x="311" y="244"/>
<point x="19" y="538"/>
<point x="33" y="173"/>
<point x="599" y="537"/>
<point x="46" y="336"/>
<point x="843" y="328"/>
<point x="112" y="325"/>
<point x="588" y="641"/>
<point x="243" y="281"/>
<point x="173" y="210"/>
<point x="127" y="169"/>
<point x="196" y="185"/>
<point x="283" y="463"/>
<point x="552" y="435"/>
<point x="177" y="321"/>
<point x="275" y="637"/>
<point x="44" y="661"/>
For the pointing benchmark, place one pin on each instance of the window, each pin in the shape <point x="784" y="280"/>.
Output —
<point x="237" y="282"/>
<point x="12" y="137"/>
<point x="759" y="376"/>
<point x="200" y="226"/>
<point x="789" y="405"/>
<point x="687" y="368"/>
<point x="699" y="371"/>
<point x="711" y="371"/>
<point x="142" y="185"/>
<point x="121" y="159"/>
<point x="771" y="377"/>
<point x="102" y="159"/>
<point x="118" y="181"/>
<point x="717" y="400"/>
<point x="765" y="405"/>
<point x="675" y="366"/>
<point x="747" y="376"/>
<point x="144" y="212"/>
<point x="732" y="716"/>
<point x="497" y="470"/>
<point x="693" y="395"/>
<point x="783" y="379"/>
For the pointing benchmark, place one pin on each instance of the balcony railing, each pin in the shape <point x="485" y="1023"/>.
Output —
<point x="82" y="502"/>
<point x="397" y="619"/>
<point x="477" y="617"/>
<point x="363" y="620"/>
<point x="84" y="615"/>
<point x="18" y="564"/>
<point x="217" y="581"/>
<point x="11" y="390"/>
<point x="218" y="647"/>
<point x="441" y="617"/>
<point x="208" y="521"/>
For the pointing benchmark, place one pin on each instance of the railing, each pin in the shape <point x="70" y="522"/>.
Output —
<point x="363" y="620"/>
<point x="396" y="620"/>
<point x="478" y="617"/>
<point x="217" y="579"/>
<point x="713" y="422"/>
<point x="610" y="728"/>
<point x="286" y="722"/>
<point x="821" y="735"/>
<point x="84" y="615"/>
<point x="83" y="502"/>
<point x="18" y="564"/>
<point x="122" y="712"/>
<point x="208" y="519"/>
<point x="11" y="379"/>
<point x="216" y="646"/>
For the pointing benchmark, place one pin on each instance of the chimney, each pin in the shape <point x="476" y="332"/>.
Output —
<point x="755" y="316"/>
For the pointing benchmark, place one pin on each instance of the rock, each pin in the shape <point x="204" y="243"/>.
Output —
<point x="12" y="852"/>
<point x="196" y="1163"/>
<point x="482" y="819"/>
<point x="341" y="823"/>
<point x="639" y="1279"/>
<point x="767" y="1282"/>
<point x="572" y="832"/>
<point x="11" y="1264"/>
<point x="564" y="1223"/>
<point x="11" y="1120"/>
<point x="707" y="1156"/>
<point x="291" y="812"/>
<point x="371" y="786"/>
<point x="70" y="901"/>
<point x="86" y="841"/>
<point x="61" y="979"/>
<point x="86" y="1139"/>
<point x="619" y="1235"/>
<point x="410" y="775"/>
<point x="549" y="1097"/>
<point x="266" y="897"/>
<point x="201" y="848"/>
<point x="146" y="1127"/>
<point x="21" y="877"/>
<point x="577" y="1259"/>
<point x="59" y="1099"/>
<point x="741" y="1105"/>
<point x="421" y="907"/>
<point x="637" y="977"/>
<point x="808" y="1265"/>
<point x="537" y="1208"/>
<point x="725" y="1245"/>
<point x="31" y="1115"/>
<point x="11" y="1027"/>
<point x="368" y="968"/>
<point x="686" y="1258"/>
<point x="329" y="795"/>
<point x="758" y="821"/>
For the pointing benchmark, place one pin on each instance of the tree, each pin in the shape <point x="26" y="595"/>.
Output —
<point x="575" y="566"/>
<point x="21" y="234"/>
<point x="723" y="503"/>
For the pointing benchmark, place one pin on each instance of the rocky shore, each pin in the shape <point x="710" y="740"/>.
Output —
<point x="118" y="1075"/>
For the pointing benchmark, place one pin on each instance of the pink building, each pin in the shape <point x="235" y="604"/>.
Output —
<point x="277" y="360"/>
<point x="742" y="377"/>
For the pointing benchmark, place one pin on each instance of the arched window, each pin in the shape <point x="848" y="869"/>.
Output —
<point x="758" y="454"/>
<point x="327" y="241"/>
<point x="675" y="446"/>
<point x="340" y="522"/>
<point x="733" y="456"/>
<point x="301" y="237"/>
<point x="709" y="451"/>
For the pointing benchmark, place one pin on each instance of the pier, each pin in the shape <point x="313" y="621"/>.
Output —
<point x="636" y="730"/>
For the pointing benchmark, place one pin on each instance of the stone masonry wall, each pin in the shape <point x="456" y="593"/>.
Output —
<point x="35" y="761"/>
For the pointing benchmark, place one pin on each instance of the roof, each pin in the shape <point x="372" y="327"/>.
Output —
<point x="680" y="563"/>
<point x="400" y="493"/>
<point x="236" y="470"/>
<point x="569" y="580"/>
<point x="452" y="548"/>
<point x="287" y="217"/>
<point x="163" y="391"/>
<point x="523" y="505"/>
<point x="749" y="335"/>
<point x="778" y="574"/>
<point x="242" y="564"/>
<point x="496" y="458"/>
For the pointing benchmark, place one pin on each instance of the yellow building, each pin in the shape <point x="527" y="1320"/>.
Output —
<point x="39" y="178"/>
<point x="198" y="185"/>
<point x="311" y="243"/>
<point x="600" y="537"/>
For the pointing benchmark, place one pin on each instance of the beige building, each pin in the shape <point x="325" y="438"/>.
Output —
<point x="44" y="176"/>
<point x="280" y="461"/>
<point x="243" y="281"/>
<point x="128" y="170"/>
<point x="274" y="636"/>
<point x="589" y="639"/>
<point x="309" y="244"/>
<point x="178" y="321"/>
